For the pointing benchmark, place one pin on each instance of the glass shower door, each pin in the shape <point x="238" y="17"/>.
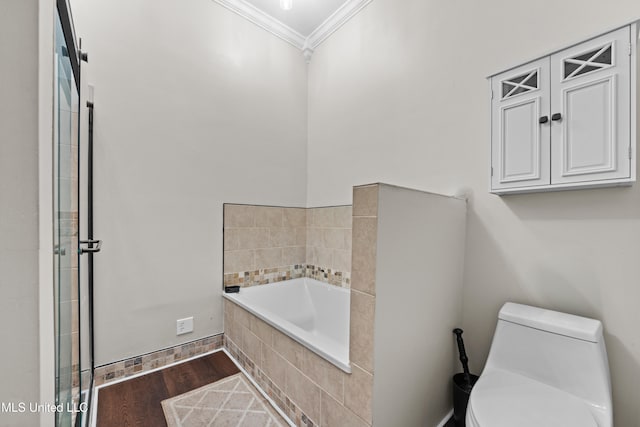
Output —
<point x="66" y="268"/>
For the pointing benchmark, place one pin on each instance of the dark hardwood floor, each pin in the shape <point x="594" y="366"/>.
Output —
<point x="136" y="402"/>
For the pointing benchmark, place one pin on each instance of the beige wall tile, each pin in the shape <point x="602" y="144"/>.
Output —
<point x="251" y="345"/>
<point x="253" y="238"/>
<point x="305" y="236"/>
<point x="261" y="329"/>
<point x="363" y="260"/>
<point x="323" y="373"/>
<point x="235" y="261"/>
<point x="365" y="201"/>
<point x="335" y="415"/>
<point x="341" y="260"/>
<point x="314" y="236"/>
<point x="333" y="238"/>
<point x="309" y="217"/>
<point x="75" y="338"/>
<point x="228" y="308"/>
<point x="282" y="236"/>
<point x="231" y="239"/>
<point x="267" y="216"/>
<point x="233" y="331"/>
<point x="274" y="366"/>
<point x="239" y="216"/>
<point x="303" y="392"/>
<point x="301" y="236"/>
<point x="75" y="320"/>
<point x="232" y="327"/>
<point x="242" y="316"/>
<point x="323" y="217"/>
<point x="361" y="330"/>
<point x="295" y="217"/>
<point x="342" y="216"/>
<point x="268" y="258"/>
<point x="347" y="235"/>
<point x="294" y="255"/>
<point x="288" y="348"/>
<point x="358" y="392"/>
<point x="74" y="283"/>
<point x="324" y="257"/>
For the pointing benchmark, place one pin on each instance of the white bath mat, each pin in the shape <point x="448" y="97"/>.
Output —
<point x="232" y="402"/>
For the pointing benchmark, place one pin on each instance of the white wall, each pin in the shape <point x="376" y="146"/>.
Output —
<point x="194" y="106"/>
<point x="419" y="278"/>
<point x="26" y="306"/>
<point x="399" y="95"/>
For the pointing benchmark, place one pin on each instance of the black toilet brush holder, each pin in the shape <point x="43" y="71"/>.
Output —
<point x="462" y="384"/>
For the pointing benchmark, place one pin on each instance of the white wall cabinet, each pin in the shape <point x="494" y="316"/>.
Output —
<point x="567" y="120"/>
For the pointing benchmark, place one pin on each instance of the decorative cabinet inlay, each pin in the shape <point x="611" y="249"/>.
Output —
<point x="594" y="60"/>
<point x="567" y="120"/>
<point x="520" y="84"/>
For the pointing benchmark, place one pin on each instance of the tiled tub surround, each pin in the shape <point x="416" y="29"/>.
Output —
<point x="266" y="244"/>
<point x="311" y="312"/>
<point x="407" y="254"/>
<point x="135" y="365"/>
<point x="309" y="389"/>
<point x="263" y="244"/>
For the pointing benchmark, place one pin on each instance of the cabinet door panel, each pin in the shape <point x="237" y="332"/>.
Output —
<point x="590" y="139"/>
<point x="590" y="85"/>
<point x="519" y="142"/>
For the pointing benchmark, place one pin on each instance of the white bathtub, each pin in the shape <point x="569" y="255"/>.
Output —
<point x="311" y="312"/>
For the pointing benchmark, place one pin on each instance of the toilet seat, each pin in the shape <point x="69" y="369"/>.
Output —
<point x="505" y="399"/>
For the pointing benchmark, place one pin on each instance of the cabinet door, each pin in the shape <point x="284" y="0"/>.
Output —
<point x="519" y="141"/>
<point x="590" y="99"/>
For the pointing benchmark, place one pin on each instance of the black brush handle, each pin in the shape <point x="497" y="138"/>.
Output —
<point x="463" y="355"/>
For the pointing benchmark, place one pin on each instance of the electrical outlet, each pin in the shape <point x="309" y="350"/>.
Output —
<point x="184" y="326"/>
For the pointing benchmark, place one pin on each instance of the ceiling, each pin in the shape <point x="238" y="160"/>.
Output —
<point x="304" y="17"/>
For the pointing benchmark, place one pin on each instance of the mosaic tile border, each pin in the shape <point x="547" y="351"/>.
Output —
<point x="327" y="275"/>
<point x="135" y="365"/>
<point x="273" y="275"/>
<point x="292" y="411"/>
<point x="264" y="276"/>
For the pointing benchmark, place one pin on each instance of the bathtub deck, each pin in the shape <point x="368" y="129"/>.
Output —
<point x="136" y="402"/>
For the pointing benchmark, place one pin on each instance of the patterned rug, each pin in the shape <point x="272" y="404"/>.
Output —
<point x="232" y="401"/>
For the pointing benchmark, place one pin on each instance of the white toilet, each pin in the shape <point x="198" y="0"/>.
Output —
<point x="545" y="369"/>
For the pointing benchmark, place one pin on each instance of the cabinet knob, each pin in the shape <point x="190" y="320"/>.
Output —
<point x="556" y="117"/>
<point x="543" y="119"/>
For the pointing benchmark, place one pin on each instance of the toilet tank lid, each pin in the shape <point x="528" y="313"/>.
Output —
<point x="555" y="322"/>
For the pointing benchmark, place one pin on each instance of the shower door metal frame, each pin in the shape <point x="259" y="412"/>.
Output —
<point x="64" y="12"/>
<point x="76" y="56"/>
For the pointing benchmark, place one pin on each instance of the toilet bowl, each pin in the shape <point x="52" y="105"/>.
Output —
<point x="545" y="369"/>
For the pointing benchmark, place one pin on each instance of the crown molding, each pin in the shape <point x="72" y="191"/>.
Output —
<point x="337" y="19"/>
<point x="267" y="22"/>
<point x="306" y="44"/>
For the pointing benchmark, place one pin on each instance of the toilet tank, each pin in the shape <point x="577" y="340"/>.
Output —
<point x="558" y="349"/>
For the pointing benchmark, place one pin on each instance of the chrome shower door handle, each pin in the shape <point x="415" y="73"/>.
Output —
<point x="90" y="248"/>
